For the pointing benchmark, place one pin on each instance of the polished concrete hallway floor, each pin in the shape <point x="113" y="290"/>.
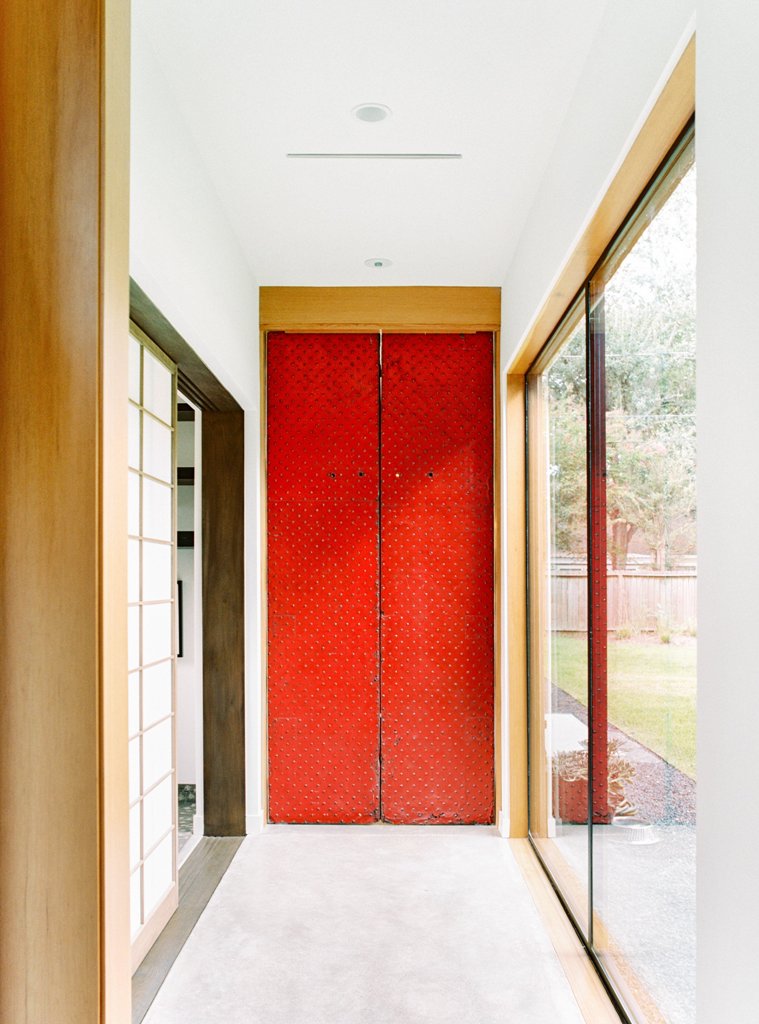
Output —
<point x="369" y="925"/>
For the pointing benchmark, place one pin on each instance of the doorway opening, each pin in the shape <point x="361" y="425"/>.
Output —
<point x="189" y="678"/>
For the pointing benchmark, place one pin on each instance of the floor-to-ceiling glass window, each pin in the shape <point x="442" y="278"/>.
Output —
<point x="613" y="576"/>
<point x="152" y="641"/>
<point x="558" y="584"/>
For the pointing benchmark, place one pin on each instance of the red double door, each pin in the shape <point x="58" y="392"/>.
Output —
<point x="380" y="578"/>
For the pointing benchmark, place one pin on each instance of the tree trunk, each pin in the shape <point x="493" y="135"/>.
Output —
<point x="621" y="535"/>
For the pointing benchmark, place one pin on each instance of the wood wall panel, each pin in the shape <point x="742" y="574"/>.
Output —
<point x="223" y="623"/>
<point x="62" y="591"/>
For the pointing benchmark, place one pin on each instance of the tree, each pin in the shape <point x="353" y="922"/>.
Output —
<point x="648" y="311"/>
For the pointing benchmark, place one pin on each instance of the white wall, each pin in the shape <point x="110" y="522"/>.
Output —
<point x="185" y="256"/>
<point x="727" y="155"/>
<point x="634" y="49"/>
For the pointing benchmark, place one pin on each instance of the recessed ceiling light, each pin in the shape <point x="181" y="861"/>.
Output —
<point x="378" y="262"/>
<point x="371" y="112"/>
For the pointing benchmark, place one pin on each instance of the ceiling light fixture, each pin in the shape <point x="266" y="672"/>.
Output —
<point x="377" y="263"/>
<point x="371" y="112"/>
<point x="374" y="156"/>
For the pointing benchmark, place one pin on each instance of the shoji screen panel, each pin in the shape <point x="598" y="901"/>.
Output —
<point x="152" y="646"/>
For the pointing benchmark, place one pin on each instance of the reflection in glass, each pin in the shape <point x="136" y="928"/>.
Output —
<point x="644" y="862"/>
<point x="558" y="581"/>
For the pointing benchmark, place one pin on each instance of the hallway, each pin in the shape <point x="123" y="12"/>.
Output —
<point x="369" y="925"/>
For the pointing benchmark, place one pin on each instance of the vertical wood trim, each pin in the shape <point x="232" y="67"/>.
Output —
<point x="63" y="275"/>
<point x="536" y="469"/>
<point x="264" y="577"/>
<point x="223" y="623"/>
<point x="115" y="940"/>
<point x="517" y="604"/>
<point x="497" y="575"/>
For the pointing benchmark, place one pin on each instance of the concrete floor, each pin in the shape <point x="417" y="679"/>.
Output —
<point x="369" y="925"/>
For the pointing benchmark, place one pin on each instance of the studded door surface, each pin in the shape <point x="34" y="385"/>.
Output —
<point x="323" y="577"/>
<point x="437" y="578"/>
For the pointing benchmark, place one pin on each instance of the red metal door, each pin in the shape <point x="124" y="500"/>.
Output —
<point x="326" y="439"/>
<point x="323" y="577"/>
<point x="437" y="578"/>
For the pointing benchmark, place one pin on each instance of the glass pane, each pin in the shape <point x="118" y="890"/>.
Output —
<point x="157" y="874"/>
<point x="644" y="847"/>
<point x="156" y="510"/>
<point x="134" y="770"/>
<point x="157" y="389"/>
<point x="134" y="836"/>
<point x="558" y="579"/>
<point x="156" y="572"/>
<point x="158" y="813"/>
<point x="134" y="902"/>
<point x="134" y="703"/>
<point x="133" y="632"/>
<point x="134" y="369"/>
<point x="134" y="571"/>
<point x="133" y="446"/>
<point x="133" y="522"/>
<point x="156" y="633"/>
<point x="156" y="449"/>
<point x="156" y="753"/>
<point x="156" y="693"/>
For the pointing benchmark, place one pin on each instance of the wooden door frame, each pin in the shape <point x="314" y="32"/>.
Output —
<point x="223" y="586"/>
<point x="388" y="310"/>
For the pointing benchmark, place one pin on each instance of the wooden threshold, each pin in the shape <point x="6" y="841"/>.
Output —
<point x="595" y="1005"/>
<point x="198" y="878"/>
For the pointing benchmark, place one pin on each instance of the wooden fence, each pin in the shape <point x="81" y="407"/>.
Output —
<point x="640" y="601"/>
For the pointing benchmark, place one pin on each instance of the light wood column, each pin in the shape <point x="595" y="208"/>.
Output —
<point x="64" y="941"/>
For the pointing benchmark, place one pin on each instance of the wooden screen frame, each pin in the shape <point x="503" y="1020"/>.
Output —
<point x="397" y="310"/>
<point x="223" y="554"/>
<point x="154" y="925"/>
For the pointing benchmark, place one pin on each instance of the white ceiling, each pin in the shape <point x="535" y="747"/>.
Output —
<point x="256" y="79"/>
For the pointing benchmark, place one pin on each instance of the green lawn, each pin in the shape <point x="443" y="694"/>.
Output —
<point x="652" y="691"/>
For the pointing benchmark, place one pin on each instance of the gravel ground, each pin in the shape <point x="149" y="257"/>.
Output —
<point x="661" y="793"/>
